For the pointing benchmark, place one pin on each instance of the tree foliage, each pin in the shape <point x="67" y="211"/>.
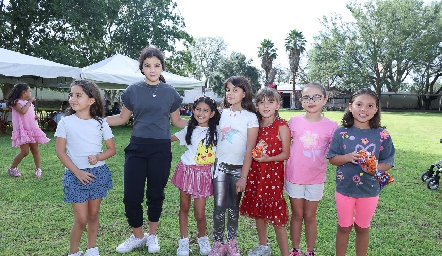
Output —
<point x="181" y="63"/>
<point x="387" y="41"/>
<point x="79" y="33"/>
<point x="234" y="65"/>
<point x="295" y="46"/>
<point x="267" y="53"/>
<point x="207" y="53"/>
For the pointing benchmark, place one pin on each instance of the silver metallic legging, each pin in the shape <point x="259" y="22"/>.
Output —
<point x="226" y="198"/>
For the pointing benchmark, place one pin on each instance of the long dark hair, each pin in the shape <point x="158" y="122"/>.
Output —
<point x="212" y="136"/>
<point x="149" y="52"/>
<point x="348" y="120"/>
<point x="92" y="91"/>
<point x="16" y="93"/>
<point x="243" y="83"/>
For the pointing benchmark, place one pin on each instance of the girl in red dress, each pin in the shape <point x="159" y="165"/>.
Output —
<point x="263" y="198"/>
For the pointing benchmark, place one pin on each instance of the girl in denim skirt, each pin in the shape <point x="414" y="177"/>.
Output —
<point x="87" y="178"/>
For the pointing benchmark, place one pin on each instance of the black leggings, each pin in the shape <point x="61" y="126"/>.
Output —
<point x="146" y="159"/>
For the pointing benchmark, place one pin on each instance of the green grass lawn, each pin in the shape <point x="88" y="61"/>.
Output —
<point x="34" y="220"/>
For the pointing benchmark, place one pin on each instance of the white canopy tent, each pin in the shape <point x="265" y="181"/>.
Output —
<point x="119" y="71"/>
<point x="190" y="95"/>
<point x="17" y="67"/>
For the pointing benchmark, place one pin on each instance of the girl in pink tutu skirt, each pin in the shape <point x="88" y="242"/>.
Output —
<point x="193" y="173"/>
<point x="26" y="133"/>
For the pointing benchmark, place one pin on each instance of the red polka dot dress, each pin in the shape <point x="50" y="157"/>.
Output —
<point x="264" y="197"/>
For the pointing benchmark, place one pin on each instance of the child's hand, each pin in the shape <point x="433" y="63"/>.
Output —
<point x="353" y="157"/>
<point x="92" y="159"/>
<point x="37" y="117"/>
<point x="264" y="158"/>
<point x="33" y="99"/>
<point x="85" y="177"/>
<point x="241" y="185"/>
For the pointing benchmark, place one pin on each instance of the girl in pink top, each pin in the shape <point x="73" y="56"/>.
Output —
<point x="305" y="170"/>
<point x="25" y="131"/>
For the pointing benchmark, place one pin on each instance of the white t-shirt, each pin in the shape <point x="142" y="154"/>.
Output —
<point x="232" y="135"/>
<point x="83" y="138"/>
<point x="197" y="148"/>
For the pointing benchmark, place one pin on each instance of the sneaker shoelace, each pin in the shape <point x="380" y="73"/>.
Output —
<point x="204" y="244"/>
<point x="152" y="240"/>
<point x="130" y="240"/>
<point x="183" y="245"/>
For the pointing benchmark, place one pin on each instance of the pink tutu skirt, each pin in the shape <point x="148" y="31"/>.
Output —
<point x="20" y="137"/>
<point x="195" y="180"/>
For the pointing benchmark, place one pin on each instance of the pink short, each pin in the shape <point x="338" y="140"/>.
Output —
<point x="355" y="210"/>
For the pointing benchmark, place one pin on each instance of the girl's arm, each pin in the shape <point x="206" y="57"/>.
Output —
<point x="252" y="135"/>
<point x="284" y="135"/>
<point x="82" y="176"/>
<point x="338" y="160"/>
<point x="23" y="109"/>
<point x="110" y="151"/>
<point x="177" y="120"/>
<point x="173" y="138"/>
<point x="119" y="119"/>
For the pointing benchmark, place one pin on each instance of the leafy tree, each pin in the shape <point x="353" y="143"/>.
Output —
<point x="234" y="65"/>
<point x="386" y="42"/>
<point x="429" y="69"/>
<point x="207" y="53"/>
<point x="146" y="22"/>
<point x="325" y="60"/>
<point x="82" y="32"/>
<point x="283" y="74"/>
<point x="68" y="32"/>
<point x="295" y="45"/>
<point x="267" y="53"/>
<point x="181" y="63"/>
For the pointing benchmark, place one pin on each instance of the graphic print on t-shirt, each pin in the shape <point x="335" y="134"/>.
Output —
<point x="228" y="133"/>
<point x="204" y="154"/>
<point x="310" y="142"/>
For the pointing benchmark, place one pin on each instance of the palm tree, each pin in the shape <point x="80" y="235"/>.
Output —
<point x="295" y="45"/>
<point x="267" y="52"/>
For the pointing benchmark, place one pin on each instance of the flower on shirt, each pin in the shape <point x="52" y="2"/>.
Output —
<point x="309" y="140"/>
<point x="384" y="134"/>
<point x="364" y="141"/>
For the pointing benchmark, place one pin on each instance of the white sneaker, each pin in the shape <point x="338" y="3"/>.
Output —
<point x="92" y="252"/>
<point x="183" y="247"/>
<point x="260" y="250"/>
<point x="152" y="244"/>
<point x="131" y="243"/>
<point x="79" y="253"/>
<point x="204" y="245"/>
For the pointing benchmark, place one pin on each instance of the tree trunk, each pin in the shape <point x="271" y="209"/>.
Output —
<point x="6" y="89"/>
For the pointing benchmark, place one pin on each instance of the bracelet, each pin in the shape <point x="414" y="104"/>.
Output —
<point x="244" y="178"/>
